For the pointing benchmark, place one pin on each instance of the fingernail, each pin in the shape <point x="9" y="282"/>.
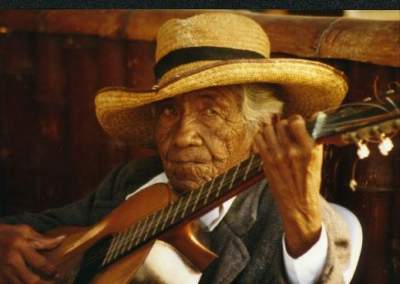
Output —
<point x="297" y="117"/>
<point x="61" y="237"/>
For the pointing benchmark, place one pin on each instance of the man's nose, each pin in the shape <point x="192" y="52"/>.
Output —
<point x="187" y="133"/>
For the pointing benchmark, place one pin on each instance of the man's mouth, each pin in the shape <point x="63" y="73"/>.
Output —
<point x="190" y="156"/>
<point x="189" y="162"/>
<point x="188" y="169"/>
<point x="193" y="172"/>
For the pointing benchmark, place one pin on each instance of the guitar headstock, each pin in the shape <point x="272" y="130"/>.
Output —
<point x="378" y="133"/>
<point x="359" y="123"/>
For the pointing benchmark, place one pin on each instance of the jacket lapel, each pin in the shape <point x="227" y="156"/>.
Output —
<point x="226" y="239"/>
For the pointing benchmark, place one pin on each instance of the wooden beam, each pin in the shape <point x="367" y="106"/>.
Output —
<point x="372" y="41"/>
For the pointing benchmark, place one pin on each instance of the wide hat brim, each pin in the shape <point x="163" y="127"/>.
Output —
<point x="308" y="87"/>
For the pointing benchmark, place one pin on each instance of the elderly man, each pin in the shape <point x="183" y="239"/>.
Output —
<point x="218" y="99"/>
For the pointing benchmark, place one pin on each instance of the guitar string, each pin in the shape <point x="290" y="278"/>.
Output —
<point x="104" y="248"/>
<point x="200" y="194"/>
<point x="191" y="202"/>
<point x="139" y="240"/>
<point x="332" y="122"/>
<point x="100" y="252"/>
<point x="122" y="249"/>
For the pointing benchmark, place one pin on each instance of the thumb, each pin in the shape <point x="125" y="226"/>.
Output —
<point x="45" y="243"/>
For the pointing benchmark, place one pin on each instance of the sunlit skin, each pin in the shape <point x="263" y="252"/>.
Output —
<point x="201" y="134"/>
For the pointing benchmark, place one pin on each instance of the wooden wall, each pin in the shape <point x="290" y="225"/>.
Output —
<point x="376" y="198"/>
<point x="52" y="150"/>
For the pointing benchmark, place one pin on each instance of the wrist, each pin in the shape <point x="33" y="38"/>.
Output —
<point x="302" y="231"/>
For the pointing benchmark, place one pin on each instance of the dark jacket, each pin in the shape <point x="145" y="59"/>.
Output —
<point x="248" y="240"/>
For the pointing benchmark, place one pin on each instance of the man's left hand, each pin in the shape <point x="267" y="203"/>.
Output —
<point x="292" y="165"/>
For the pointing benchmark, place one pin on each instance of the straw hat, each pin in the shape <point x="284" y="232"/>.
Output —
<point x="216" y="49"/>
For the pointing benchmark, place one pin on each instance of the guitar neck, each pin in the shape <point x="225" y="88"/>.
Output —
<point x="354" y="122"/>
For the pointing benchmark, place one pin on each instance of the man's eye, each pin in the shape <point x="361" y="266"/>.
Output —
<point x="168" y="111"/>
<point x="211" y="112"/>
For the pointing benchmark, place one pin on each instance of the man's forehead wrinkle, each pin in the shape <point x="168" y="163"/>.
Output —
<point x="222" y="96"/>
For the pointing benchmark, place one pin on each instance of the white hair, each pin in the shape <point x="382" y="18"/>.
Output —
<point x="259" y="102"/>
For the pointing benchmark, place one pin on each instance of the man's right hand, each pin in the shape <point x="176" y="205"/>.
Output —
<point x="20" y="258"/>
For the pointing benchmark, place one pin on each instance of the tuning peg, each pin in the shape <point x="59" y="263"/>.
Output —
<point x="385" y="146"/>
<point x="363" y="151"/>
<point x="353" y="184"/>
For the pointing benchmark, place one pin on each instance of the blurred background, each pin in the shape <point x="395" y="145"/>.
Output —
<point x="53" y="151"/>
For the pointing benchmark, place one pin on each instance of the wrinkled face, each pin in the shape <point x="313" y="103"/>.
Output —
<point x="200" y="135"/>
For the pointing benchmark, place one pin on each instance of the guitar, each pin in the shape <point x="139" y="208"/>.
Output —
<point x="112" y="250"/>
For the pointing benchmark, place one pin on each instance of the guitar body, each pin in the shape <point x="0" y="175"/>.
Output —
<point x="69" y="255"/>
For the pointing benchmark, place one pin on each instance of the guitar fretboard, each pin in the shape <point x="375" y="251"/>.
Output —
<point x="182" y="208"/>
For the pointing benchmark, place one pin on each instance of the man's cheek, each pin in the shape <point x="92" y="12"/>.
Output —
<point x="163" y="144"/>
<point x="217" y="146"/>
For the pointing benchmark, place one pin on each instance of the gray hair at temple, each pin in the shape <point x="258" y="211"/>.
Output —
<point x="259" y="102"/>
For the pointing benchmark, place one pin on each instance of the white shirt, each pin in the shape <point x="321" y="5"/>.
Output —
<point x="304" y="269"/>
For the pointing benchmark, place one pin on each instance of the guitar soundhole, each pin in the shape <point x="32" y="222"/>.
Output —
<point x="92" y="261"/>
